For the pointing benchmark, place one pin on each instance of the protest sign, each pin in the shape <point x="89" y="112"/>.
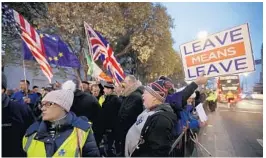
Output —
<point x="202" y="115"/>
<point x="223" y="53"/>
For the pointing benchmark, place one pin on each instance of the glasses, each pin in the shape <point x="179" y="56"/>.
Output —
<point x="47" y="104"/>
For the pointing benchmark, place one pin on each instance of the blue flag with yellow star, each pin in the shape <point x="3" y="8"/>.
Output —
<point x="56" y="50"/>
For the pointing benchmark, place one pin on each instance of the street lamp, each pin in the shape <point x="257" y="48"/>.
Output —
<point x="245" y="79"/>
<point x="202" y="34"/>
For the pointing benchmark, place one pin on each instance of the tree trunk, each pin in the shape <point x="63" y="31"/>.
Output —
<point x="77" y="71"/>
<point x="85" y="64"/>
<point x="124" y="51"/>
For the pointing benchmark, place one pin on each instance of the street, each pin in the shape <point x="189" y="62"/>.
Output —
<point x="245" y="127"/>
<point x="236" y="132"/>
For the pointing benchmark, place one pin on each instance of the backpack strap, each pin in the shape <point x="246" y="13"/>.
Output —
<point x="81" y="139"/>
<point x="27" y="142"/>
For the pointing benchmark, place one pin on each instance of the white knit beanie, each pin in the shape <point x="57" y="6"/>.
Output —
<point x="63" y="98"/>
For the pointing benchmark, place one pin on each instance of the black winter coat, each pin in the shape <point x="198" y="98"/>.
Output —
<point x="110" y="109"/>
<point x="87" y="105"/>
<point x="131" y="107"/>
<point x="157" y="133"/>
<point x="108" y="116"/>
<point x="16" y="118"/>
<point x="187" y="92"/>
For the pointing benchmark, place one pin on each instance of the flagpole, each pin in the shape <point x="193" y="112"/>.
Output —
<point x="23" y="61"/>
<point x="88" y="37"/>
<point x="24" y="67"/>
<point x="90" y="48"/>
<point x="89" y="45"/>
<point x="25" y="78"/>
<point x="82" y="88"/>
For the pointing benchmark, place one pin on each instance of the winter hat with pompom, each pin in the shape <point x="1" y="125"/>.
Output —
<point x="63" y="97"/>
<point x="157" y="89"/>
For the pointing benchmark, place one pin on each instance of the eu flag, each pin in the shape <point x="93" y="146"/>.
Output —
<point x="56" y="50"/>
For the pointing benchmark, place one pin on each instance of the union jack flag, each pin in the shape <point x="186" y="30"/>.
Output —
<point x="101" y="49"/>
<point x="32" y="39"/>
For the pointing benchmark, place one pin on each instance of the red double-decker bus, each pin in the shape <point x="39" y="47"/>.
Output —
<point x="226" y="84"/>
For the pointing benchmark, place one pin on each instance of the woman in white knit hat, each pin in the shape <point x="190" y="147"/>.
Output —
<point x="61" y="132"/>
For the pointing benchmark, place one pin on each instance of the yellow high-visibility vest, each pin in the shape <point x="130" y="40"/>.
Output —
<point x="211" y="97"/>
<point x="71" y="147"/>
<point x="101" y="100"/>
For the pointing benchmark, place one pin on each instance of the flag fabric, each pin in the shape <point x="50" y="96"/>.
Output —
<point x="102" y="50"/>
<point x="57" y="52"/>
<point x="31" y="38"/>
<point x="89" y="63"/>
<point x="95" y="71"/>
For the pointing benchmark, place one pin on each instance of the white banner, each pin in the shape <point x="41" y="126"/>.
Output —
<point x="223" y="53"/>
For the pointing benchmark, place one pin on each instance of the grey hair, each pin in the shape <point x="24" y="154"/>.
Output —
<point x="132" y="78"/>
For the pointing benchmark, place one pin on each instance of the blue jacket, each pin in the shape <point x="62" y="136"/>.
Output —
<point x="90" y="148"/>
<point x="193" y="123"/>
<point x="18" y="96"/>
<point x="189" y="108"/>
<point x="186" y="116"/>
<point x="175" y="99"/>
<point x="179" y="99"/>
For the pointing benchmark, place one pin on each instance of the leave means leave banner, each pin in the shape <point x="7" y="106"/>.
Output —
<point x="223" y="53"/>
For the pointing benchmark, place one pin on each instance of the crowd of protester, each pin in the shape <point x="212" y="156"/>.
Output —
<point x="81" y="118"/>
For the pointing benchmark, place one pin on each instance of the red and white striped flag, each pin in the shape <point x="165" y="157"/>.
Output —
<point x="33" y="41"/>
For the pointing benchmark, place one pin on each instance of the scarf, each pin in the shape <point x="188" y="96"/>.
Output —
<point x="56" y="126"/>
<point x="131" y="89"/>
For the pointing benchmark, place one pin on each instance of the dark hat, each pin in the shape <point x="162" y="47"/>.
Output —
<point x="86" y="82"/>
<point x="168" y="84"/>
<point x="109" y="85"/>
<point x="157" y="89"/>
<point x="4" y="81"/>
<point x="164" y="78"/>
